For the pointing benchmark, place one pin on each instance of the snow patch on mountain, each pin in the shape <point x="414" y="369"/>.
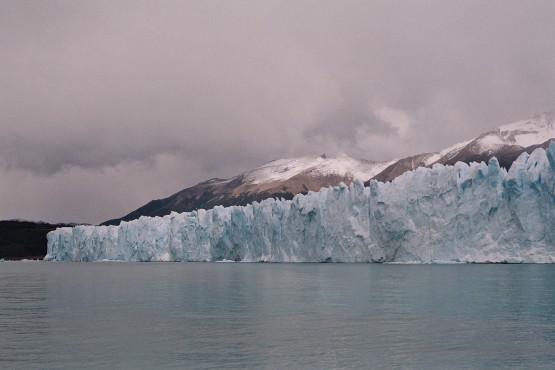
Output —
<point x="524" y="133"/>
<point x="342" y="165"/>
<point x="529" y="132"/>
<point x="448" y="153"/>
<point x="535" y="130"/>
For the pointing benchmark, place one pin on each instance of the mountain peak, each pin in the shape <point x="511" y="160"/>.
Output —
<point x="322" y="165"/>
<point x="540" y="123"/>
<point x="286" y="177"/>
<point x="524" y="133"/>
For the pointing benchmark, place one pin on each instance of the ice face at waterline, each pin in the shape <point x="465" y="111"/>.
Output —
<point x="461" y="213"/>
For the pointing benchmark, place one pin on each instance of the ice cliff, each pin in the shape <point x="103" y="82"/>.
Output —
<point x="461" y="213"/>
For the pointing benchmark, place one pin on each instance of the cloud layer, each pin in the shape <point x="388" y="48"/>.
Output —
<point x="105" y="105"/>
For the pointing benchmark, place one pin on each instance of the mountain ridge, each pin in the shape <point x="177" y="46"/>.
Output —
<point x="284" y="178"/>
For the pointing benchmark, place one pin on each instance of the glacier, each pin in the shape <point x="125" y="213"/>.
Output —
<point x="444" y="214"/>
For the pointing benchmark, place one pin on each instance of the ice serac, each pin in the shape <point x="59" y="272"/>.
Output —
<point x="461" y="213"/>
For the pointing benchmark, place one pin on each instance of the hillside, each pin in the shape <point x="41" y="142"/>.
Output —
<point x="284" y="178"/>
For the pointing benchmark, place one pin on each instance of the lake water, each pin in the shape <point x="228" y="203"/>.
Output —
<point x="275" y="316"/>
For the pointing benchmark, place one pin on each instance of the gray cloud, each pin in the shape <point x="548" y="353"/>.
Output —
<point x="345" y="123"/>
<point x="93" y="89"/>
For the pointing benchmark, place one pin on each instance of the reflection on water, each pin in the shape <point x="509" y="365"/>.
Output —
<point x="203" y="315"/>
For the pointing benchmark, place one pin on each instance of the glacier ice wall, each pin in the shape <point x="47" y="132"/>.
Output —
<point x="460" y="213"/>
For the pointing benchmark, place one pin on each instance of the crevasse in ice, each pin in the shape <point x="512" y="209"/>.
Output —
<point x="461" y="213"/>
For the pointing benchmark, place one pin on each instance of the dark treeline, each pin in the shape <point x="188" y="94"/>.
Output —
<point x="23" y="239"/>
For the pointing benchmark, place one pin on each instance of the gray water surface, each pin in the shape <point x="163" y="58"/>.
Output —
<point x="275" y="316"/>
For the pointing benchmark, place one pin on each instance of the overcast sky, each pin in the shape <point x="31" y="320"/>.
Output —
<point x="105" y="105"/>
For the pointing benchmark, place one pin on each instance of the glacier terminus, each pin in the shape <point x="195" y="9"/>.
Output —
<point x="444" y="214"/>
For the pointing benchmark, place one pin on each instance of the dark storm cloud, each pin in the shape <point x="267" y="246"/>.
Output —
<point x="185" y="90"/>
<point x="129" y="82"/>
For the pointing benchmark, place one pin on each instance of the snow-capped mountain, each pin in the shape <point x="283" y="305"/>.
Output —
<point x="284" y="169"/>
<point x="284" y="178"/>
<point x="506" y="139"/>
<point x="505" y="143"/>
<point x="523" y="133"/>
